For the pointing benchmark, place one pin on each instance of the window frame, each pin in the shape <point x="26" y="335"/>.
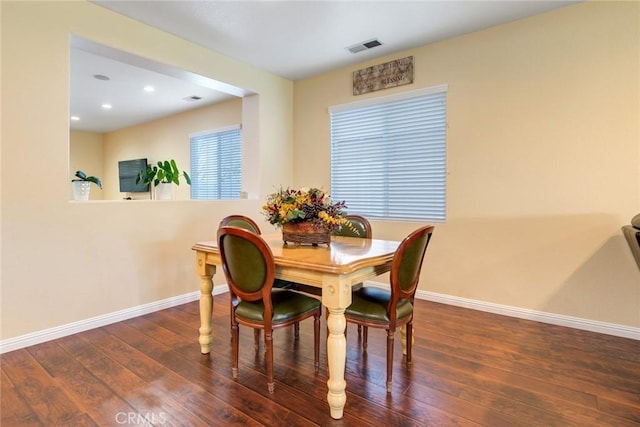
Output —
<point x="197" y="192"/>
<point x="391" y="205"/>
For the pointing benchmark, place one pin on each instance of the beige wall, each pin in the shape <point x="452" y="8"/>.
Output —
<point x="543" y="153"/>
<point x="86" y="154"/>
<point x="543" y="158"/>
<point x="163" y="139"/>
<point x="64" y="261"/>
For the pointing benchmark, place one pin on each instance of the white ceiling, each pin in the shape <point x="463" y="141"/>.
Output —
<point x="293" y="39"/>
<point x="124" y="91"/>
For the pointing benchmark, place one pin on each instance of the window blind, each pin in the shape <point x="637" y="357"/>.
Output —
<point x="388" y="156"/>
<point x="216" y="164"/>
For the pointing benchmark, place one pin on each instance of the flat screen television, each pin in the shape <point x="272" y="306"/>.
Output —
<point x="128" y="172"/>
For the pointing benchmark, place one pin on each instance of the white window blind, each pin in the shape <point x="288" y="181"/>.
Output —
<point x="216" y="164"/>
<point x="388" y="156"/>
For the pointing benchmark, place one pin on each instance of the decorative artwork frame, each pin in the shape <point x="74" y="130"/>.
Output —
<point x="383" y="76"/>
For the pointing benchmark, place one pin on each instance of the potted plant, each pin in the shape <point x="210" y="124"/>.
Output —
<point x="82" y="185"/>
<point x="162" y="175"/>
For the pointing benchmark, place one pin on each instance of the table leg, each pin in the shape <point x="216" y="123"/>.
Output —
<point x="337" y="356"/>
<point x="336" y="296"/>
<point x="206" y="273"/>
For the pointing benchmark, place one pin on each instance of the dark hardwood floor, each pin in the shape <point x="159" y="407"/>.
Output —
<point x="470" y="369"/>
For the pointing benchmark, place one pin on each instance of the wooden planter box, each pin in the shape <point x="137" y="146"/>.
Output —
<point x="305" y="232"/>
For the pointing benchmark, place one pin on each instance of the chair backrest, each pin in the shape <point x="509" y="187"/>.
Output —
<point x="407" y="263"/>
<point x="632" y="234"/>
<point x="240" y="221"/>
<point x="248" y="264"/>
<point x="359" y="223"/>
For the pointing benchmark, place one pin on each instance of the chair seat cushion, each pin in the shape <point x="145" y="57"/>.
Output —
<point x="370" y="304"/>
<point x="286" y="305"/>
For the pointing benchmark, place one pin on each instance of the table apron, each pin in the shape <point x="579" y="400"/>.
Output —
<point x="311" y="277"/>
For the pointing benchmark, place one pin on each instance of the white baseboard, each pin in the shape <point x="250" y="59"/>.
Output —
<point x="98" y="321"/>
<point x="528" y="314"/>
<point x="521" y="313"/>
<point x="538" y="316"/>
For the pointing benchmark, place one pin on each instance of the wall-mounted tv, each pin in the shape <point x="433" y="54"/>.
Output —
<point x="128" y="172"/>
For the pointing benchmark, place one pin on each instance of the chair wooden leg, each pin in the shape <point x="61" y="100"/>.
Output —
<point x="235" y="341"/>
<point x="256" y="339"/>
<point x="296" y="330"/>
<point x="268" y="343"/>
<point x="316" y="340"/>
<point x="409" y="342"/>
<point x="403" y="339"/>
<point x="365" y="337"/>
<point x="390" y="335"/>
<point x="231" y="320"/>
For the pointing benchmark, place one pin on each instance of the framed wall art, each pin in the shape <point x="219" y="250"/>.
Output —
<point x="383" y="76"/>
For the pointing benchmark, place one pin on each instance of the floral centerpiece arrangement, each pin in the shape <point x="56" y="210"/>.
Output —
<point x="305" y="212"/>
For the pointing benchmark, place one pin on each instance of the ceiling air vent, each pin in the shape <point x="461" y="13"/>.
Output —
<point x="364" y="46"/>
<point x="192" y="98"/>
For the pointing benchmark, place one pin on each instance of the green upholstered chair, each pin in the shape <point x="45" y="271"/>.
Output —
<point x="240" y="221"/>
<point x="360" y="227"/>
<point x="393" y="308"/>
<point x="249" y="268"/>
<point x="632" y="234"/>
<point x="249" y="224"/>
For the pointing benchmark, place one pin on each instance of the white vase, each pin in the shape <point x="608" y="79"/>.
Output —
<point x="81" y="190"/>
<point x="164" y="191"/>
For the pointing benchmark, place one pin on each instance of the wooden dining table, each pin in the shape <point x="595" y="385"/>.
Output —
<point x="334" y="268"/>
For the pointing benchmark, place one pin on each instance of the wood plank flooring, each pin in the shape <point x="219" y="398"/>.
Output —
<point x="469" y="369"/>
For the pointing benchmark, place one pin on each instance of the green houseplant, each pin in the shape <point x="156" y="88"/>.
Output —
<point x="82" y="185"/>
<point x="80" y="176"/>
<point x="163" y="175"/>
<point x="163" y="172"/>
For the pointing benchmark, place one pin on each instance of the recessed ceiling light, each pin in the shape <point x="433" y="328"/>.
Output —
<point x="149" y="88"/>
<point x="107" y="106"/>
<point x="75" y="118"/>
<point x="101" y="77"/>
